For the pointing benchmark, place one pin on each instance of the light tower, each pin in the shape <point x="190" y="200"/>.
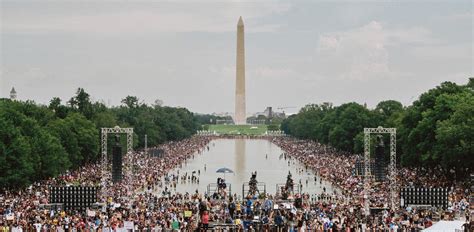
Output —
<point x="13" y="94"/>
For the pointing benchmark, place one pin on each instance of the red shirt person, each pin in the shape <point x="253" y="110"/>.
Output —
<point x="205" y="221"/>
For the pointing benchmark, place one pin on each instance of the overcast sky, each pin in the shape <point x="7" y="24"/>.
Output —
<point x="297" y="52"/>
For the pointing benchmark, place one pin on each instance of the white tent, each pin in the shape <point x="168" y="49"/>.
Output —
<point x="445" y="226"/>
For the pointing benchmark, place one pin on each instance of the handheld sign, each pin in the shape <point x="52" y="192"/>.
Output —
<point x="187" y="213"/>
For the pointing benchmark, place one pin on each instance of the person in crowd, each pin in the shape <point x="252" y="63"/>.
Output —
<point x="205" y="221"/>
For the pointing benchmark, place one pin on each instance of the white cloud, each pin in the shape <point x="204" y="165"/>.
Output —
<point x="272" y="72"/>
<point x="222" y="72"/>
<point x="446" y="51"/>
<point x="262" y="72"/>
<point x="328" y="43"/>
<point x="52" y="47"/>
<point x="145" y="19"/>
<point x="468" y="15"/>
<point x="363" y="53"/>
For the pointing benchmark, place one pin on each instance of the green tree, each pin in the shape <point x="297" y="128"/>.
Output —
<point x="351" y="118"/>
<point x="63" y="130"/>
<point x="273" y="127"/>
<point x="105" y="119"/>
<point x="38" y="141"/>
<point x="87" y="136"/>
<point x="59" y="110"/>
<point x="29" y="151"/>
<point x="418" y="126"/>
<point x="82" y="103"/>
<point x="389" y="112"/>
<point x="54" y="159"/>
<point x="454" y="136"/>
<point x="15" y="151"/>
<point x="130" y="101"/>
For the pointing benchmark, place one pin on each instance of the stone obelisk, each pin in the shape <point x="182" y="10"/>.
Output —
<point x="240" y="114"/>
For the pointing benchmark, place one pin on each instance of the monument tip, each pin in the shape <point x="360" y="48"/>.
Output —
<point x="241" y="22"/>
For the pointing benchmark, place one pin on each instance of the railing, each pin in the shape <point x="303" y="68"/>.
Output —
<point x="261" y="188"/>
<point x="55" y="206"/>
<point x="213" y="187"/>
<point x="323" y="198"/>
<point x="222" y="226"/>
<point x="206" y="133"/>
<point x="296" y="188"/>
<point x="256" y="122"/>
<point x="225" y="121"/>
<point x="275" y="133"/>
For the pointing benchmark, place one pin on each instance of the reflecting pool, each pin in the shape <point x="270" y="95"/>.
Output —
<point x="245" y="156"/>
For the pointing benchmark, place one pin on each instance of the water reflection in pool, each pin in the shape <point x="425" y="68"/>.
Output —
<point x="245" y="156"/>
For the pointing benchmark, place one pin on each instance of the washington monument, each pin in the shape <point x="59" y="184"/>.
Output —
<point x="240" y="114"/>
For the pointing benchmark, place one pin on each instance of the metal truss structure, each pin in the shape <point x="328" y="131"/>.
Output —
<point x="392" y="167"/>
<point x="104" y="134"/>
<point x="146" y="145"/>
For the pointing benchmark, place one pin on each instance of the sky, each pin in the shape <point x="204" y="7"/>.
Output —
<point x="184" y="52"/>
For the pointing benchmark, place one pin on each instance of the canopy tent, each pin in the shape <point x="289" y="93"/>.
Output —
<point x="443" y="226"/>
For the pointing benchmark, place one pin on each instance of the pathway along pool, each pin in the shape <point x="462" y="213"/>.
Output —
<point x="245" y="156"/>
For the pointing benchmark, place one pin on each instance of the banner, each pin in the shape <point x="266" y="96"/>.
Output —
<point x="90" y="213"/>
<point x="188" y="214"/>
<point x="128" y="225"/>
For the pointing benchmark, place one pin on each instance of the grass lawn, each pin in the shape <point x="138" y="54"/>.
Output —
<point x="239" y="129"/>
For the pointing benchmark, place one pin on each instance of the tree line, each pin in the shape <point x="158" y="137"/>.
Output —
<point x="42" y="141"/>
<point x="436" y="131"/>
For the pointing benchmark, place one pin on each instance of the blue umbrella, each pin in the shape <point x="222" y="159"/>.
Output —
<point x="224" y="170"/>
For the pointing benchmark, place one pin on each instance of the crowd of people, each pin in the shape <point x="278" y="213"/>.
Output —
<point x="143" y="200"/>
<point x="29" y="209"/>
<point x="337" y="168"/>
